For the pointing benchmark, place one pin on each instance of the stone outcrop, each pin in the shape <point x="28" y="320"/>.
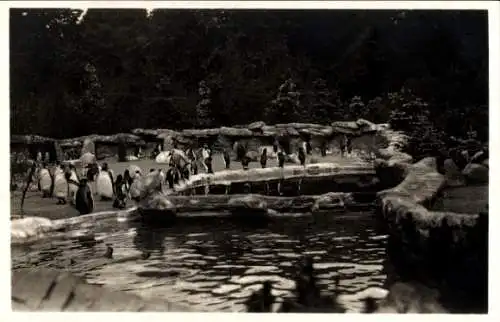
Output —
<point x="314" y="172"/>
<point x="32" y="229"/>
<point x="223" y="136"/>
<point x="187" y="204"/>
<point x="475" y="173"/>
<point x="56" y="291"/>
<point x="442" y="246"/>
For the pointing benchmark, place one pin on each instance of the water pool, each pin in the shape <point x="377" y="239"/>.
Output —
<point x="213" y="264"/>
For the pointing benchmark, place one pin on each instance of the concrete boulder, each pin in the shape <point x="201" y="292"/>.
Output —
<point x="248" y="202"/>
<point x="479" y="157"/>
<point x="452" y="173"/>
<point x="88" y="146"/>
<point x="476" y="173"/>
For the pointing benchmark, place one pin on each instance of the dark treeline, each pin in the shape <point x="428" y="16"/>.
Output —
<point x="118" y="69"/>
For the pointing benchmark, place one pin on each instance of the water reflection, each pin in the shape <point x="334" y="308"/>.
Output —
<point x="215" y="264"/>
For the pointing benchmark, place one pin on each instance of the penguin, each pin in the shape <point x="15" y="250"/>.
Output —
<point x="370" y="305"/>
<point x="308" y="147"/>
<point x="206" y="153"/>
<point x="349" y="145"/>
<point x="109" y="252"/>
<point x="73" y="182"/>
<point x="84" y="202"/>
<point x="127" y="179"/>
<point x="304" y="146"/>
<point x="263" y="158"/>
<point x="170" y="177"/>
<point x="208" y="163"/>
<point x="261" y="301"/>
<point x="240" y="151"/>
<point x="281" y="159"/>
<point x="227" y="159"/>
<point x="92" y="172"/>
<point x="47" y="157"/>
<point x="245" y="161"/>
<point x="44" y="181"/>
<point x="194" y="168"/>
<point x="151" y="170"/>
<point x="121" y="193"/>
<point x="186" y="171"/>
<point x="302" y="156"/>
<point x="60" y="185"/>
<point x="39" y="156"/>
<point x="323" y="149"/>
<point x="275" y="146"/>
<point x="105" y="183"/>
<point x="176" y="175"/>
<point x="343" y="142"/>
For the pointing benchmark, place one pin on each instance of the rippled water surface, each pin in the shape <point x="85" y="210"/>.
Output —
<point x="214" y="264"/>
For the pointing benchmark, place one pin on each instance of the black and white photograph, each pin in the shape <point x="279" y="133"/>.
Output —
<point x="250" y="158"/>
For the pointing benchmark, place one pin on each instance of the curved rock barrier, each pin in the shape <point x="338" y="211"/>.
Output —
<point x="32" y="229"/>
<point x="436" y="246"/>
<point x="312" y="173"/>
<point x="51" y="290"/>
<point x="179" y="204"/>
<point x="251" y="136"/>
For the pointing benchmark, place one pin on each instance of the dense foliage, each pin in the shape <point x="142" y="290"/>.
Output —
<point x="115" y="70"/>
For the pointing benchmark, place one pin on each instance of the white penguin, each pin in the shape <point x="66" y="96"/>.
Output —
<point x="73" y="185"/>
<point x="136" y="187"/>
<point x="60" y="185"/>
<point x="104" y="183"/>
<point x="45" y="181"/>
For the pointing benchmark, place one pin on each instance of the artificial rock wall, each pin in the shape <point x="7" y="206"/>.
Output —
<point x="446" y="248"/>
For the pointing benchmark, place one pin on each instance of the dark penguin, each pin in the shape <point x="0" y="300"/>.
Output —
<point x="323" y="149"/>
<point x="281" y="159"/>
<point x="208" y="163"/>
<point x="245" y="161"/>
<point x="349" y="145"/>
<point x="109" y="252"/>
<point x="194" y="168"/>
<point x="343" y="142"/>
<point x="127" y="179"/>
<point x="84" y="201"/>
<point x="227" y="159"/>
<point x="240" y="151"/>
<point x="263" y="158"/>
<point x="121" y="193"/>
<point x="186" y="172"/>
<point x="145" y="255"/>
<point x="151" y="170"/>
<point x="370" y="305"/>
<point x="308" y="147"/>
<point x="302" y="156"/>
<point x="170" y="177"/>
<point x="275" y="146"/>
<point x="92" y="171"/>
<point x="261" y="301"/>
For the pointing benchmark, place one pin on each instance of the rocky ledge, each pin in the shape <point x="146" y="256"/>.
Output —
<point x="447" y="248"/>
<point x="316" y="173"/>
<point x="161" y="204"/>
